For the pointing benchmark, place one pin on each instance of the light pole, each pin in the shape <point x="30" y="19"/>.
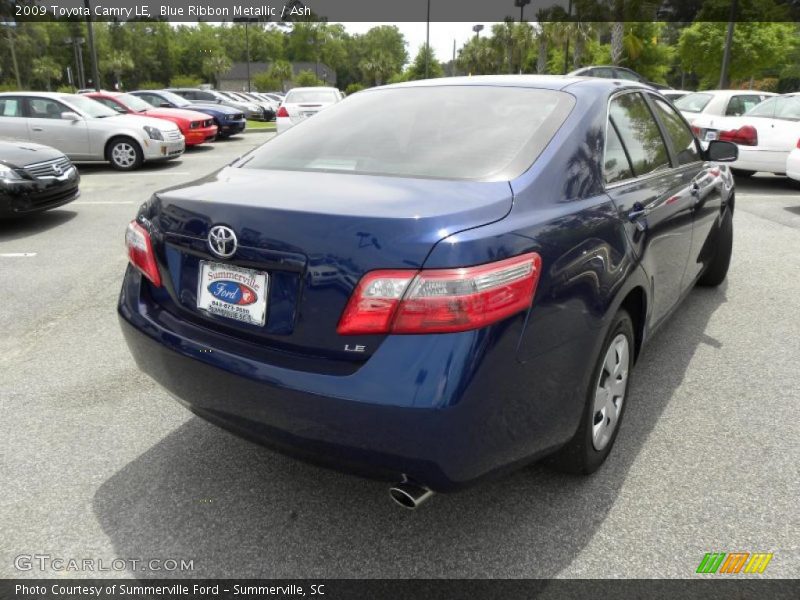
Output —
<point x="428" y="40"/>
<point x="477" y="29"/>
<point x="566" y="43"/>
<point x="92" y="51"/>
<point x="521" y="4"/>
<point x="246" y="21"/>
<point x="726" y="53"/>
<point x="76" y="43"/>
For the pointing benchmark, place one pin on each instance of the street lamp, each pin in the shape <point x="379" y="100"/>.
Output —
<point x="246" y="21"/>
<point x="477" y="29"/>
<point x="92" y="51"/>
<point x="521" y="4"/>
<point x="76" y="43"/>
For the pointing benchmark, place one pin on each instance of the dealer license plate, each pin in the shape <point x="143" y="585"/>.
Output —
<point x="233" y="292"/>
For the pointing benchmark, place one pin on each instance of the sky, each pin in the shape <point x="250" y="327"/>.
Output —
<point x="442" y="36"/>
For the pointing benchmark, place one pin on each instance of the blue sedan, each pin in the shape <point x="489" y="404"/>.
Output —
<point x="399" y="290"/>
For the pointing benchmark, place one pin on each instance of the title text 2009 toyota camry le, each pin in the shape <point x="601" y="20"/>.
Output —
<point x="398" y="289"/>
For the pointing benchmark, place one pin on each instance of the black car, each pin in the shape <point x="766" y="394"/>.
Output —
<point x="34" y="178"/>
<point x="613" y="72"/>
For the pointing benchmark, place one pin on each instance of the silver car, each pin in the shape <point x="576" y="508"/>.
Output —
<point x="86" y="130"/>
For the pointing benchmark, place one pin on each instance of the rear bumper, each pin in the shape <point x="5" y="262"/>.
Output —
<point x="445" y="410"/>
<point x="760" y="160"/>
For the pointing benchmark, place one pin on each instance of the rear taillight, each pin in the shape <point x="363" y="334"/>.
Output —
<point x="696" y="130"/>
<point x="441" y="300"/>
<point x="746" y="135"/>
<point x="140" y="252"/>
<point x="798" y="143"/>
<point x="282" y="112"/>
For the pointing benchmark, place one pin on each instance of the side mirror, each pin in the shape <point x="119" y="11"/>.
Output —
<point x="70" y="116"/>
<point x="719" y="151"/>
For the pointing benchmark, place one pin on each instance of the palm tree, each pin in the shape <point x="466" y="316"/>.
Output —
<point x="46" y="69"/>
<point x="215" y="65"/>
<point x="117" y="63"/>
<point x="281" y="70"/>
<point x="376" y="68"/>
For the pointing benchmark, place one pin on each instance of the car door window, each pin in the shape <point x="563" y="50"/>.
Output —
<point x="616" y="166"/>
<point x="151" y="99"/>
<point x="45" y="108"/>
<point x="603" y="72"/>
<point x="639" y="133"/>
<point x="680" y="135"/>
<point x="738" y="105"/>
<point x="10" y="107"/>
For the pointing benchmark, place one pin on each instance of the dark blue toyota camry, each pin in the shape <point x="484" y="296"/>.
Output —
<point x="401" y="290"/>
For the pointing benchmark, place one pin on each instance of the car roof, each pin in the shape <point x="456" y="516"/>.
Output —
<point x="53" y="95"/>
<point x="306" y="89"/>
<point x="547" y="82"/>
<point x="733" y="92"/>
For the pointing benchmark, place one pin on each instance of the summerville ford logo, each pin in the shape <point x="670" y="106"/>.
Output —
<point x="232" y="292"/>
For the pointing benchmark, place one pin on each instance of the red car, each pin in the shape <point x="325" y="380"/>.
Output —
<point x="195" y="126"/>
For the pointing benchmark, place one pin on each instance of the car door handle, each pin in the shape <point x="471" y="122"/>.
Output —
<point x="37" y="128"/>
<point x="695" y="189"/>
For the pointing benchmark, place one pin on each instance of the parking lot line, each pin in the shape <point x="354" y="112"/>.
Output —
<point x="17" y="254"/>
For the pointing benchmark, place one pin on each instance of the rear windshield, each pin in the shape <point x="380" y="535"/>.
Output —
<point x="311" y="96"/>
<point x="693" y="102"/>
<point x="452" y="132"/>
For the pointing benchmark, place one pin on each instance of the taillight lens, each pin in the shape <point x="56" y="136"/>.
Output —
<point x="798" y="143"/>
<point x="746" y="135"/>
<point x="696" y="130"/>
<point x="140" y="252"/>
<point x="282" y="112"/>
<point x="441" y="300"/>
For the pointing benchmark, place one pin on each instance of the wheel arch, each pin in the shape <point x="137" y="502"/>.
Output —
<point x="119" y="135"/>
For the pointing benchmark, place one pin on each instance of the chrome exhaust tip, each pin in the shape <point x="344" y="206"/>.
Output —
<point x="409" y="494"/>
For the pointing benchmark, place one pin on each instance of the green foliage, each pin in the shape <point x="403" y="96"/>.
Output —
<point x="265" y="82"/>
<point x="150" y="85"/>
<point x="307" y="79"/>
<point x="66" y="89"/>
<point x="353" y="88"/>
<point x="185" y="81"/>
<point x="757" y="47"/>
<point x="417" y="68"/>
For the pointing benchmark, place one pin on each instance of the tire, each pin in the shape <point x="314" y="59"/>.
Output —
<point x="742" y="173"/>
<point x="124" y="154"/>
<point x="717" y="269"/>
<point x="606" y="399"/>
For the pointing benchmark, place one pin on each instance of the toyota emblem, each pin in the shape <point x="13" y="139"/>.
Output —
<point x="57" y="170"/>
<point x="222" y="241"/>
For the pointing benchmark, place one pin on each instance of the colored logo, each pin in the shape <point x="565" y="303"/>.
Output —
<point x="734" y="562"/>
<point x="232" y="292"/>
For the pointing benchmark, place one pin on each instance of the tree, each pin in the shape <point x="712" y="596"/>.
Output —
<point x="417" y="68"/>
<point x="117" y="63"/>
<point x="281" y="72"/>
<point x="215" y="65"/>
<point x="477" y="57"/>
<point x="307" y="78"/>
<point x="45" y="69"/>
<point x="265" y="82"/>
<point x="756" y="48"/>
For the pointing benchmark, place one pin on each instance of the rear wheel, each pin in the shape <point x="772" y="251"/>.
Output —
<point x="742" y="173"/>
<point x="605" y="402"/>
<point x="717" y="269"/>
<point x="124" y="154"/>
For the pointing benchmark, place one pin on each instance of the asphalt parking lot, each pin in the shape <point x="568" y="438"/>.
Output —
<point x="98" y="462"/>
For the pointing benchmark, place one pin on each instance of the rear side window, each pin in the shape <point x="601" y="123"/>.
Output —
<point x="303" y="96"/>
<point x="10" y="107"/>
<point x="738" y="105"/>
<point x="679" y="133"/>
<point x="639" y="133"/>
<point x="693" y="102"/>
<point x="764" y="109"/>
<point x="787" y="107"/>
<point x="423" y="132"/>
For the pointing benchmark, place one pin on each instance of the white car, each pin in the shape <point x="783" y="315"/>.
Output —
<point x="674" y="95"/>
<point x="766" y="134"/>
<point x="301" y="103"/>
<point x="86" y="130"/>
<point x="793" y="163"/>
<point x="723" y="103"/>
